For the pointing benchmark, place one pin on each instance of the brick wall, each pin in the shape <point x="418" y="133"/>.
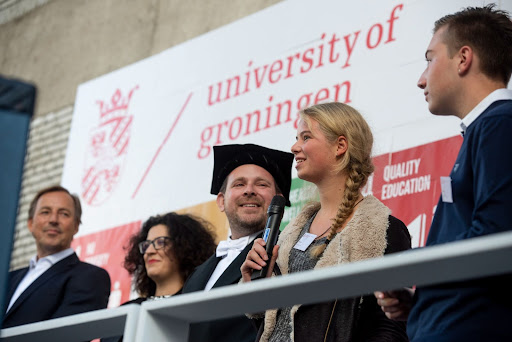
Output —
<point x="44" y="161"/>
<point x="84" y="40"/>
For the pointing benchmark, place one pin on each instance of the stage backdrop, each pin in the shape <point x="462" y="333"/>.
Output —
<point x="141" y="138"/>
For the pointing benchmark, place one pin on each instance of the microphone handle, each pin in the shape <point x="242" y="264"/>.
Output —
<point x="273" y="222"/>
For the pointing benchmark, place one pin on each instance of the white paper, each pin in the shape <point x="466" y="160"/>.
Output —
<point x="305" y="241"/>
<point x="446" y="189"/>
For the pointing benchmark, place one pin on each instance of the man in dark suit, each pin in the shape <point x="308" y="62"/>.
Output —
<point x="245" y="178"/>
<point x="56" y="283"/>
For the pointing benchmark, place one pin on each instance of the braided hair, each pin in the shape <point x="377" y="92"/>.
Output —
<point x="338" y="119"/>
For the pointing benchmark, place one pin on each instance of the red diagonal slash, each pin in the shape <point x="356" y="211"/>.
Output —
<point x="162" y="145"/>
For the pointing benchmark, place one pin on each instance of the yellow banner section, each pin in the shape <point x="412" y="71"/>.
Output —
<point x="210" y="212"/>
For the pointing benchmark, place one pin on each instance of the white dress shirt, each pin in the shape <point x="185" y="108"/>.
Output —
<point x="228" y="250"/>
<point x="497" y="95"/>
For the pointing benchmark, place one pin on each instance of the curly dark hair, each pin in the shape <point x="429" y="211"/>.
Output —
<point x="192" y="241"/>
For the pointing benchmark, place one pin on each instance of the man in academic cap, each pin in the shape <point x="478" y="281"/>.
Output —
<point x="245" y="178"/>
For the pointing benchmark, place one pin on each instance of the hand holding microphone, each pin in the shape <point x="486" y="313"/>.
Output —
<point x="255" y="267"/>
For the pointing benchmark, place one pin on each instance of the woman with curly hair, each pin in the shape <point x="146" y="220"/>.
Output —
<point x="333" y="151"/>
<point x="165" y="252"/>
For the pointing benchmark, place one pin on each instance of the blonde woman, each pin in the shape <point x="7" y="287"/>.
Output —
<point x="333" y="151"/>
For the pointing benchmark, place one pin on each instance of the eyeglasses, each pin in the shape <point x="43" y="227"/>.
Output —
<point x="159" y="243"/>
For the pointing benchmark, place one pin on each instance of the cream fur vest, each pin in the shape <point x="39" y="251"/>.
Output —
<point x="364" y="237"/>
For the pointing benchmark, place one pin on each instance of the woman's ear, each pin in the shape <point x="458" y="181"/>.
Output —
<point x="342" y="145"/>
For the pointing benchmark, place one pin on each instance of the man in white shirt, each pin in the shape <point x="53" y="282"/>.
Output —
<point x="245" y="179"/>
<point x="56" y="283"/>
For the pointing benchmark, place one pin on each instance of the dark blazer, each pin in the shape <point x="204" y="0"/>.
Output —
<point x="67" y="288"/>
<point x="235" y="329"/>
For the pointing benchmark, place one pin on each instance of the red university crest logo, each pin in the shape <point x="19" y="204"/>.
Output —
<point x="108" y="145"/>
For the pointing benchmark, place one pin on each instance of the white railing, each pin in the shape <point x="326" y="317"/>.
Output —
<point x="80" y="327"/>
<point x="169" y="319"/>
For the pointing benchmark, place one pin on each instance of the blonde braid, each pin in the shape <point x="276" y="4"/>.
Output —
<point x="338" y="119"/>
<point x="354" y="182"/>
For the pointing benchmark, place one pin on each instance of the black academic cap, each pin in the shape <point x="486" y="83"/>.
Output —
<point x="226" y="158"/>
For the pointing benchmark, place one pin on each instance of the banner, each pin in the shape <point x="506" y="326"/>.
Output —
<point x="141" y="138"/>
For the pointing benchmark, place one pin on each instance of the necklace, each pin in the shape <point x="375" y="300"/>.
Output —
<point x="319" y="236"/>
<point x="358" y="202"/>
<point x="159" y="297"/>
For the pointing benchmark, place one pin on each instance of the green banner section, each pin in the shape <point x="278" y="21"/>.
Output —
<point x="301" y="193"/>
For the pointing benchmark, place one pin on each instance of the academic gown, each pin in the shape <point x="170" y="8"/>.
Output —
<point x="234" y="329"/>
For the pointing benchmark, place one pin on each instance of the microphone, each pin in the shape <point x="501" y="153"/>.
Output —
<point x="275" y="215"/>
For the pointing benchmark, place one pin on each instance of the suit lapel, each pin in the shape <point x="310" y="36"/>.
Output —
<point x="232" y="274"/>
<point x="56" y="269"/>
<point x="200" y="277"/>
<point x="16" y="277"/>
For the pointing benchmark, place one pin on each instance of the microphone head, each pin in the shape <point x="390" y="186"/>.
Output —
<point x="276" y="205"/>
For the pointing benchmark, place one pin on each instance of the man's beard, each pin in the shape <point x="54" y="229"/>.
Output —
<point x="245" y="227"/>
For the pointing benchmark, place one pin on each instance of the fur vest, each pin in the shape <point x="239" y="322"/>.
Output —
<point x="363" y="237"/>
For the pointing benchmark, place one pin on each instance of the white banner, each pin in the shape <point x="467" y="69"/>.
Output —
<point x="142" y="136"/>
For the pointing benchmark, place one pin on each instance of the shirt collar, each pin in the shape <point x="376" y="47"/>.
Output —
<point x="497" y="95"/>
<point x="248" y="239"/>
<point x="234" y="247"/>
<point x="52" y="259"/>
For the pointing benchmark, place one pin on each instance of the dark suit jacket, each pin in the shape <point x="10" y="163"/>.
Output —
<point x="67" y="288"/>
<point x="235" y="329"/>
